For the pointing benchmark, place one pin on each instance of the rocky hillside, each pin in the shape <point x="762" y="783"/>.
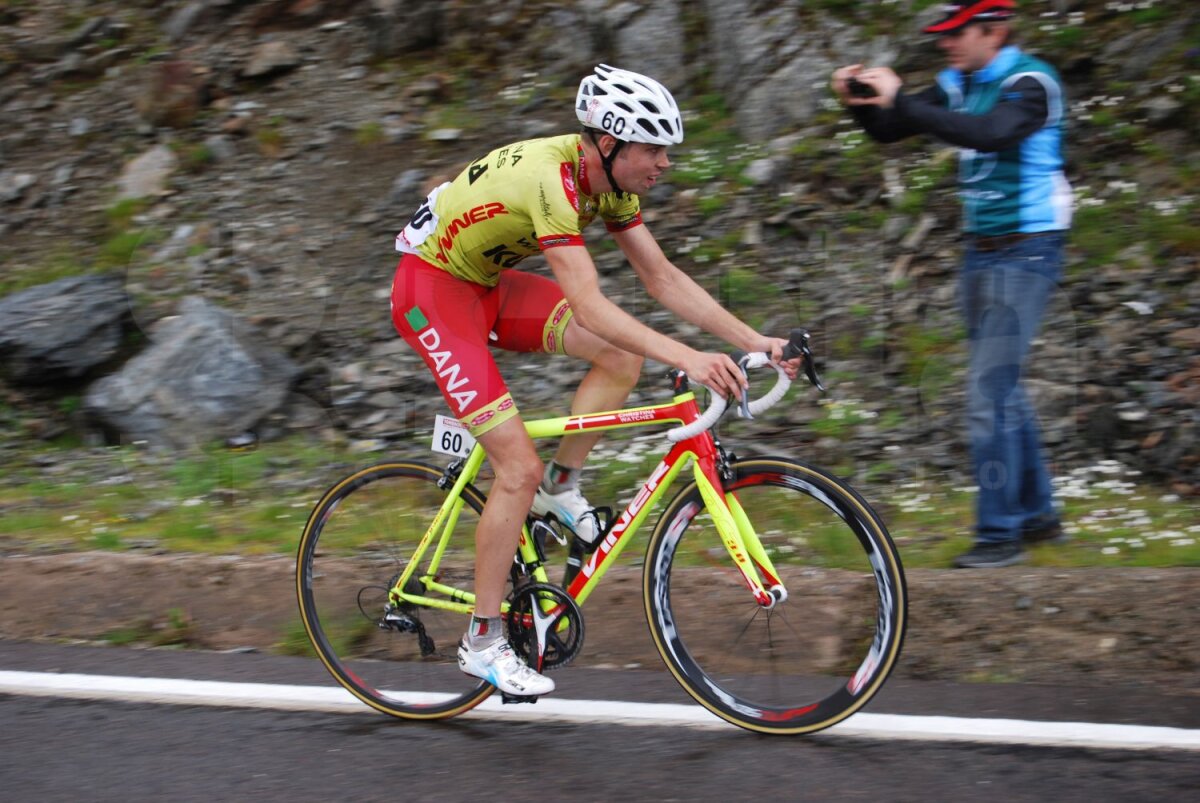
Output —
<point x="258" y="158"/>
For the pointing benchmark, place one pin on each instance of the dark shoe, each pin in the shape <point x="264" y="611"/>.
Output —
<point x="991" y="556"/>
<point x="1044" y="532"/>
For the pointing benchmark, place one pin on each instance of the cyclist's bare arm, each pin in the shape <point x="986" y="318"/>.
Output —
<point x="576" y="274"/>
<point x="679" y="293"/>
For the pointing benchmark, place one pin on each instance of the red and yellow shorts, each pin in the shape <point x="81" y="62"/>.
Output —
<point x="448" y="321"/>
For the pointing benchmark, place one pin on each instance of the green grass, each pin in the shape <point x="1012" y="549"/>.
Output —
<point x="369" y="134"/>
<point x="121" y="214"/>
<point x="214" y="501"/>
<point x="197" y="158"/>
<point x="839" y="419"/>
<point x="1103" y="230"/>
<point x="16" y="278"/>
<point x="173" y="630"/>
<point x="714" y="152"/>
<point x="739" y="288"/>
<point x="114" y="250"/>
<point x="1113" y="519"/>
<point x="924" y="348"/>
<point x="295" y="641"/>
<point x="118" y="250"/>
<point x="1067" y="39"/>
<point x="221" y="502"/>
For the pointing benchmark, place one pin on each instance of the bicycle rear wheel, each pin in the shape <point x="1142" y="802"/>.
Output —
<point x="818" y="655"/>
<point x="362" y="534"/>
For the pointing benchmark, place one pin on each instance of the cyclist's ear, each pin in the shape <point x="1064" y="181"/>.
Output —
<point x="607" y="144"/>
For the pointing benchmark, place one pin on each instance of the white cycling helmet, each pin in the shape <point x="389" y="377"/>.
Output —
<point x="629" y="106"/>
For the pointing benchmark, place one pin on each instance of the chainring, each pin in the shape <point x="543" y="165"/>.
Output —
<point x="545" y="609"/>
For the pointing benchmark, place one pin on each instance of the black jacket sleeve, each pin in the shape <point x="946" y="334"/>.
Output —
<point x="888" y="125"/>
<point x="1020" y="111"/>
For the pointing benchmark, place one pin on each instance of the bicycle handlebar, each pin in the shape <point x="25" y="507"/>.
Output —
<point x="797" y="346"/>
<point x="706" y="420"/>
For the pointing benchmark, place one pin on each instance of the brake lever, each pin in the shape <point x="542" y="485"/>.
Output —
<point x="810" y="369"/>
<point x="797" y="346"/>
<point x="741" y="358"/>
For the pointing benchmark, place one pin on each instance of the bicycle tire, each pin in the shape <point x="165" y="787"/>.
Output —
<point x="359" y="537"/>
<point x="817" y="656"/>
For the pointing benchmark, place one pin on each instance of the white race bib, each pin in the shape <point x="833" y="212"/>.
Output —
<point x="450" y="436"/>
<point x="423" y="224"/>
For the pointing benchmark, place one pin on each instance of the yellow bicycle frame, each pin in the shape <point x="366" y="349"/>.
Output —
<point x="733" y="525"/>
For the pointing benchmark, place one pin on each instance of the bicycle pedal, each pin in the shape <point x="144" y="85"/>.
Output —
<point x="514" y="699"/>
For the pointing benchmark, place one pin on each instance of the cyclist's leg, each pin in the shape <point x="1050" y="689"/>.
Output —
<point x="518" y="471"/>
<point x="613" y="374"/>
<point x="446" y="320"/>
<point x="534" y="316"/>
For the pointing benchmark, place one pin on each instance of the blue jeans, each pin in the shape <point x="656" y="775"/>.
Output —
<point x="1004" y="295"/>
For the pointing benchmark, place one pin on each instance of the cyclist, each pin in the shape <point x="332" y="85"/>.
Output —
<point x="456" y="288"/>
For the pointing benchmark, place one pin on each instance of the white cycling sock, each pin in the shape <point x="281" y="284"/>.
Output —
<point x="484" y="632"/>
<point x="558" y="478"/>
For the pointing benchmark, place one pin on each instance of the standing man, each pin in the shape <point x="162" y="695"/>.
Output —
<point x="457" y="291"/>
<point x="1004" y="109"/>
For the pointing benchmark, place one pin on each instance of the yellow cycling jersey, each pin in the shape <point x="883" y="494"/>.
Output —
<point x="514" y="202"/>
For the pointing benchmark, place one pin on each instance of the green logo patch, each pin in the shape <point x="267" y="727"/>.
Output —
<point x="416" y="319"/>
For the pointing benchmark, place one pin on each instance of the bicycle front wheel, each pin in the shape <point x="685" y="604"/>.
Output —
<point x="400" y="659"/>
<point x="820" y="653"/>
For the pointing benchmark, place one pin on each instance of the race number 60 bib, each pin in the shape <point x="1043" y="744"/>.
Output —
<point x="423" y="224"/>
<point x="450" y="436"/>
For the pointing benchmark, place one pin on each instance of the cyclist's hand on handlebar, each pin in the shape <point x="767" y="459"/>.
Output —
<point x="716" y="371"/>
<point x="773" y="347"/>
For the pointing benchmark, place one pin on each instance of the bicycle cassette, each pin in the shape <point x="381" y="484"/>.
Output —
<point x="545" y="625"/>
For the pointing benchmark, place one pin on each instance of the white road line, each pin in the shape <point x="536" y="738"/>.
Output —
<point x="548" y="709"/>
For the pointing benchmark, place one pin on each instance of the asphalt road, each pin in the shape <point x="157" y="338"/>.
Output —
<point x="55" y="749"/>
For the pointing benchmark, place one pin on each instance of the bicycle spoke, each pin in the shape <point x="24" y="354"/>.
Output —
<point x="754" y="615"/>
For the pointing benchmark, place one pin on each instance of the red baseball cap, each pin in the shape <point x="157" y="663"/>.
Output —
<point x="960" y="14"/>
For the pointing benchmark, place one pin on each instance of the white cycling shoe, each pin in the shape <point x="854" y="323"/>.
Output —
<point x="571" y="509"/>
<point x="499" y="665"/>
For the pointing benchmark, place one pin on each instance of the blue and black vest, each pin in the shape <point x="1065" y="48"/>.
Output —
<point x="1021" y="189"/>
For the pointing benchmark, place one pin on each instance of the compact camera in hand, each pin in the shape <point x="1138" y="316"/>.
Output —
<point x="860" y="90"/>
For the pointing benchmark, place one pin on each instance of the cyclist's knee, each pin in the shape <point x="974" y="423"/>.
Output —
<point x="520" y="476"/>
<point x="621" y="364"/>
<point x="513" y="457"/>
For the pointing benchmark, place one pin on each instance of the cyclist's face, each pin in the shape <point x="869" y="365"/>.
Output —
<point x="639" y="165"/>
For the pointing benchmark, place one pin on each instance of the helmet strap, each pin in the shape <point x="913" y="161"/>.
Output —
<point x="607" y="161"/>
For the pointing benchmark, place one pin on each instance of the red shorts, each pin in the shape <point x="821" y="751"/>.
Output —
<point x="448" y="320"/>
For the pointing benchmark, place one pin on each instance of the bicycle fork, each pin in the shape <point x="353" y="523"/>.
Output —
<point x="738" y="535"/>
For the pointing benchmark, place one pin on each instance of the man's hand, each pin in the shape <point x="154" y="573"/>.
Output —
<point x="717" y="372"/>
<point x="840" y="81"/>
<point x="773" y="346"/>
<point x="883" y="80"/>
